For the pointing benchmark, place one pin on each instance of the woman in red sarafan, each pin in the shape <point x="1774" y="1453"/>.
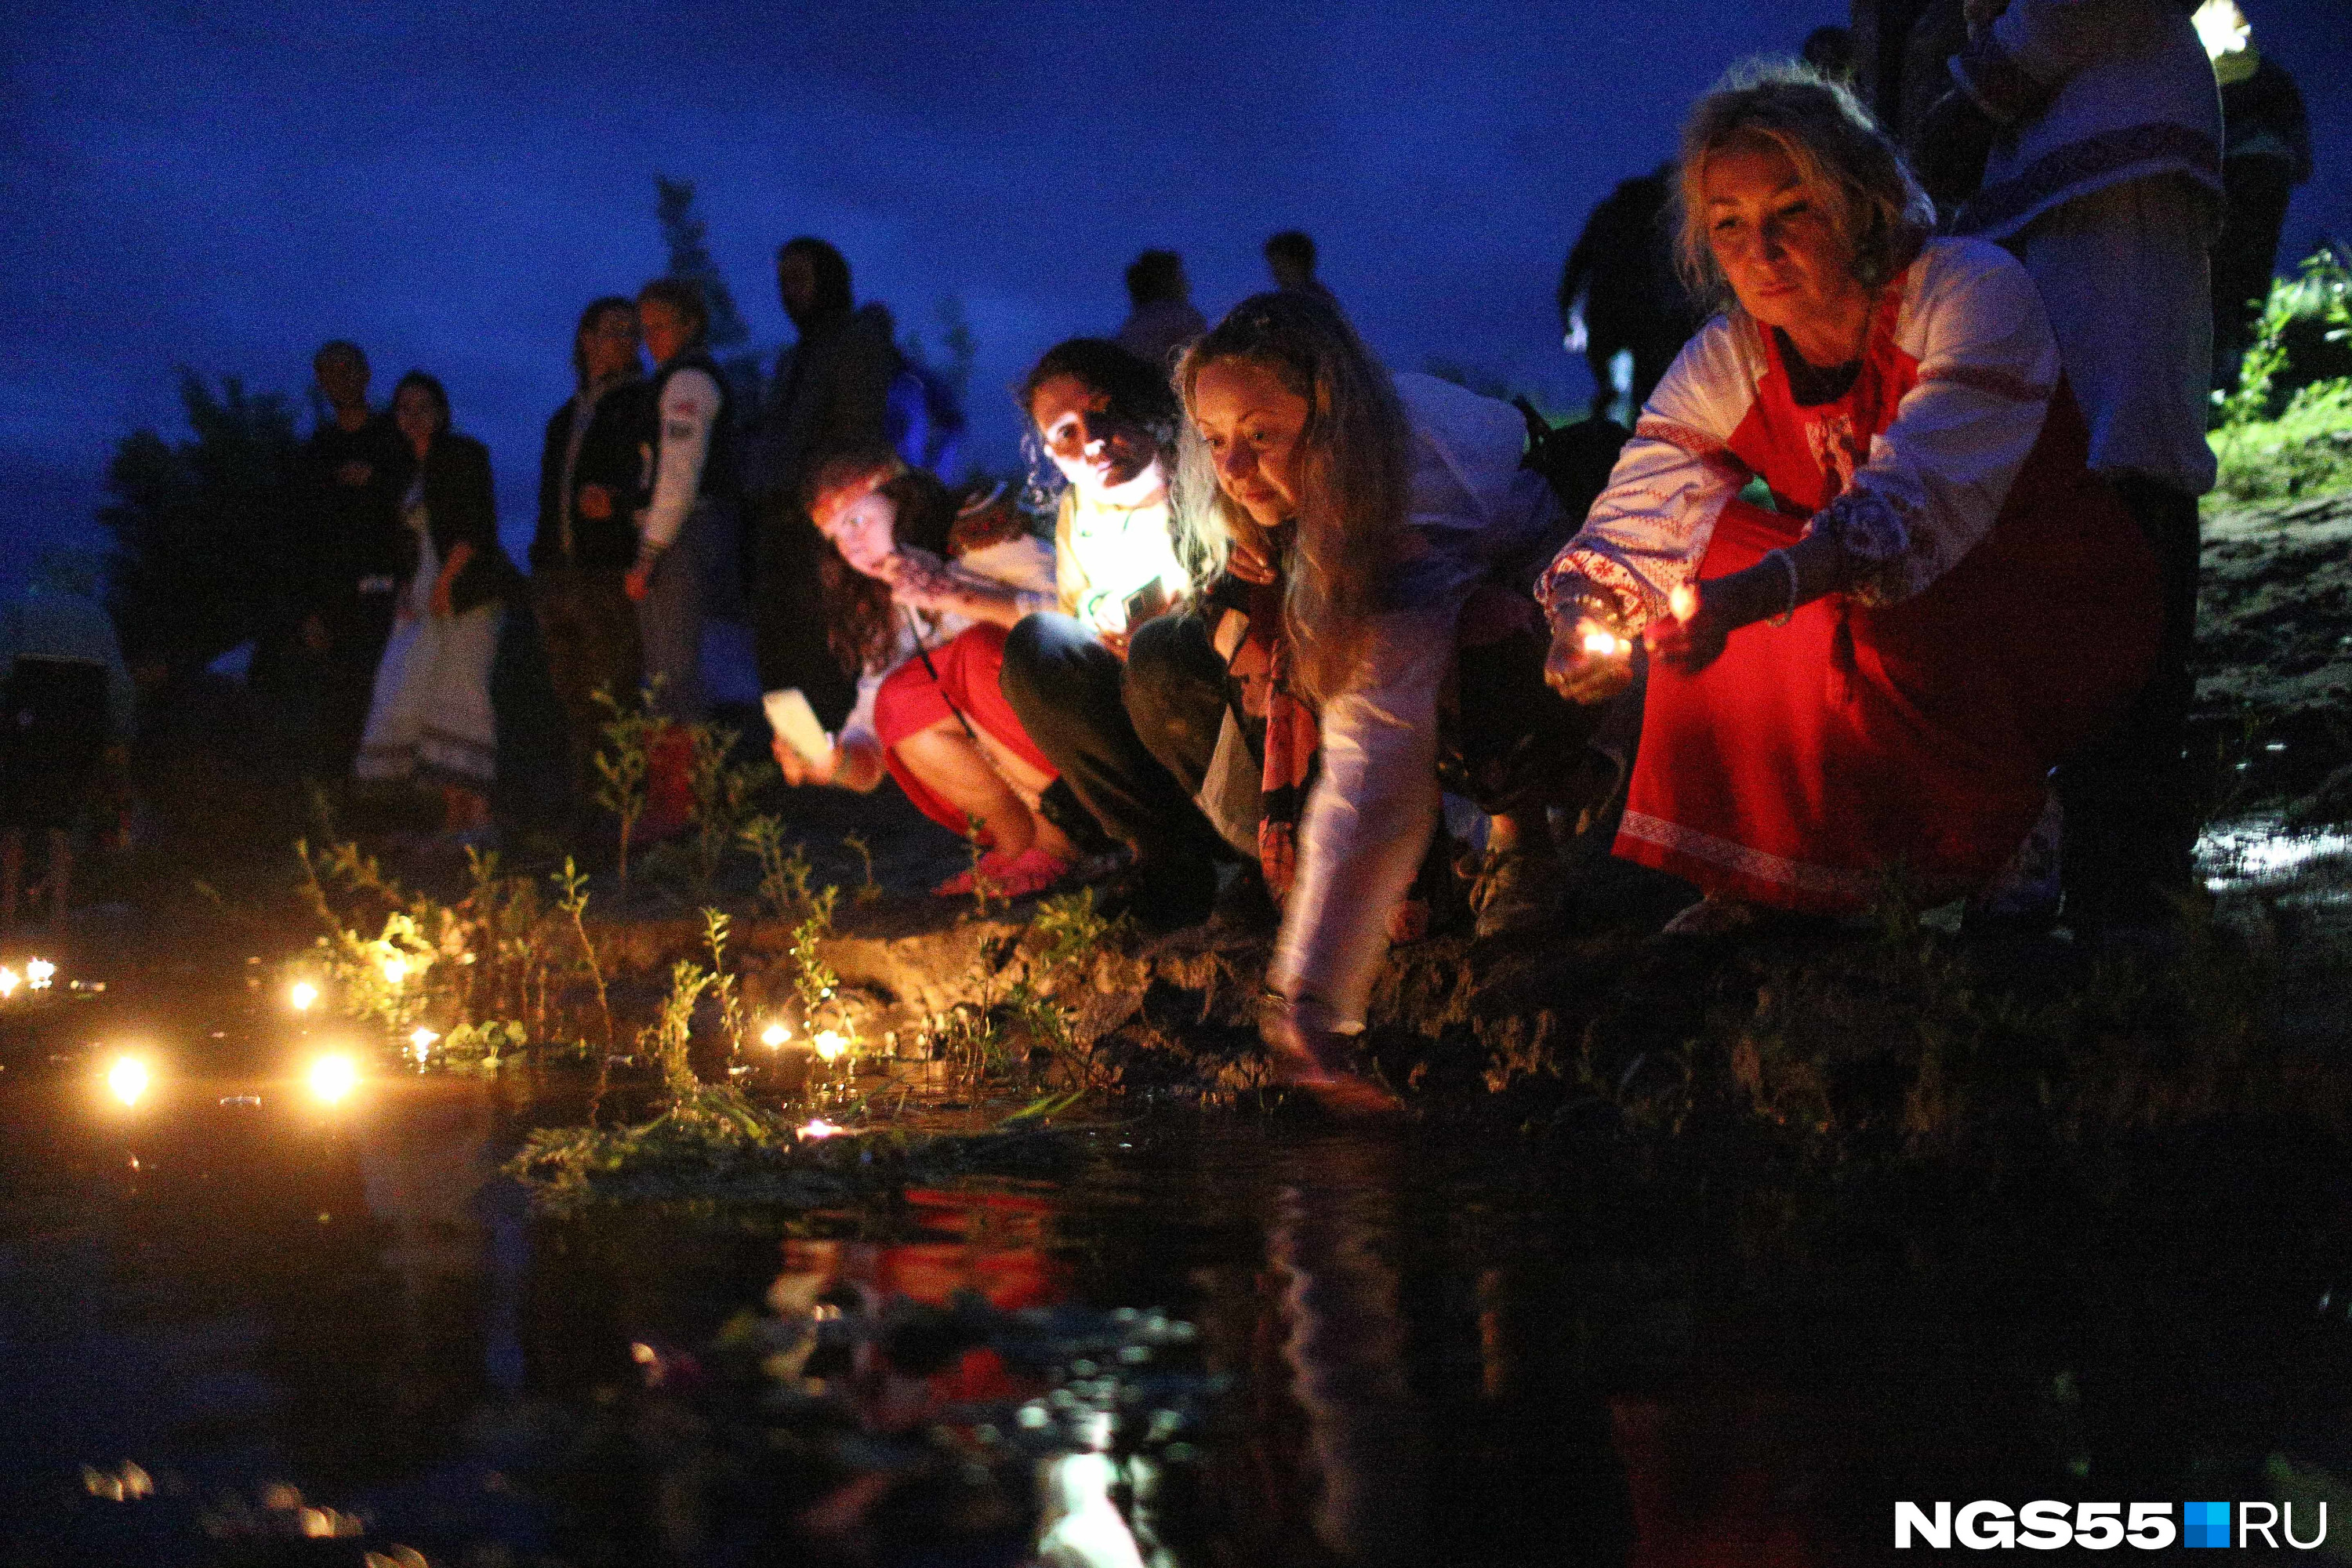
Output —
<point x="1940" y="603"/>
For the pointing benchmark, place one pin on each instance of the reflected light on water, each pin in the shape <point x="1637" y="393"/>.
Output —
<point x="128" y="1079"/>
<point x="332" y="1079"/>
<point x="1083" y="1526"/>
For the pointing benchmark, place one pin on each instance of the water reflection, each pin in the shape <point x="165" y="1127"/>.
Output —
<point x="1232" y="1343"/>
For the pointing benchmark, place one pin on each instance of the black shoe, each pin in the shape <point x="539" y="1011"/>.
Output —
<point x="1165" y="893"/>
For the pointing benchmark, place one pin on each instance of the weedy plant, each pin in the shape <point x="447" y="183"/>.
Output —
<point x="720" y="790"/>
<point x="869" y="889"/>
<point x="784" y="870"/>
<point x="624" y="764"/>
<point x="722" y="984"/>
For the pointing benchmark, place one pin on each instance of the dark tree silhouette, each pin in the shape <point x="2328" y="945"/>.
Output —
<point x="690" y="257"/>
<point x="203" y="530"/>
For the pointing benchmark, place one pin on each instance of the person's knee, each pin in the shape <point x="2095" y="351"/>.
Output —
<point x="1046" y="657"/>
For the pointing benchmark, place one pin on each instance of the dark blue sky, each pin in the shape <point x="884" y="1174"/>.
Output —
<point x="225" y="185"/>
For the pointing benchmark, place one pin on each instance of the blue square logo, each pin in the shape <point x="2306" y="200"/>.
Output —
<point x="2204" y="1524"/>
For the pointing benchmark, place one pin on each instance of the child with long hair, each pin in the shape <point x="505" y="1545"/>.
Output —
<point x="918" y="587"/>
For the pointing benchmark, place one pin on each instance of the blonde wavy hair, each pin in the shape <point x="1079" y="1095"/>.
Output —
<point x="1843" y="158"/>
<point x="1353" y="477"/>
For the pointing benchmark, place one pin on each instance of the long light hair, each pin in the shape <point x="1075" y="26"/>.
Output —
<point x="1849" y="164"/>
<point x="1352" y="479"/>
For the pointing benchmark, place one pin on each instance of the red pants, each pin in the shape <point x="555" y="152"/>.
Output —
<point x="910" y="701"/>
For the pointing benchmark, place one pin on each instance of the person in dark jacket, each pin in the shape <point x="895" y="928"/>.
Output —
<point x="431" y="718"/>
<point x="690" y="483"/>
<point x="593" y="475"/>
<point x="346" y="571"/>
<point x="1619" y="292"/>
<point x="2265" y="154"/>
<point x="830" y="393"/>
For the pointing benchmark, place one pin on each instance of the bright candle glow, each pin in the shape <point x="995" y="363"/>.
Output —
<point x="396" y="970"/>
<point x="38" y="972"/>
<point x="830" y="1044"/>
<point x="2221" y="27"/>
<point x="301" y="995"/>
<point x="817" y="1126"/>
<point x="333" y="1078"/>
<point x="1605" y="645"/>
<point x="1682" y="601"/>
<point x="128" y="1079"/>
<point x="9" y="981"/>
<point x="774" y="1036"/>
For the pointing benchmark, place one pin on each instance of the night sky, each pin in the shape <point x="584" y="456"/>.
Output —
<point x="225" y="186"/>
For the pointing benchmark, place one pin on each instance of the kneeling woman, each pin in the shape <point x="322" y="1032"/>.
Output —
<point x="1379" y="534"/>
<point x="917" y="593"/>
<point x="1879" y="670"/>
<point x="1106" y="423"/>
<point x="431" y="717"/>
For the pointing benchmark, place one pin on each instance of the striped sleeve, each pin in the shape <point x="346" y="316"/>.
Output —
<point x="1649" y="530"/>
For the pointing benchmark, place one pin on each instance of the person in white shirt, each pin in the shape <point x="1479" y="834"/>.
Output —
<point x="1105" y="423"/>
<point x="919" y="586"/>
<point x="690" y="476"/>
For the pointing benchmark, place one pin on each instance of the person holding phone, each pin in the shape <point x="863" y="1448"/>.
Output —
<point x="1105" y="421"/>
<point x="919" y="585"/>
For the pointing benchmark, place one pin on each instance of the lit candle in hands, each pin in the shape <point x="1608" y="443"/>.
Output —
<point x="1603" y="643"/>
<point x="1682" y="601"/>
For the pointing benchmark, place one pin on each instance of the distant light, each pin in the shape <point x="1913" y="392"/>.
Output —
<point x="817" y="1126"/>
<point x="9" y="981"/>
<point x="420" y="1043"/>
<point x="774" y="1036"/>
<point x="128" y="1079"/>
<point x="38" y="972"/>
<point x="301" y="995"/>
<point x="332" y="1079"/>
<point x="396" y="970"/>
<point x="830" y="1044"/>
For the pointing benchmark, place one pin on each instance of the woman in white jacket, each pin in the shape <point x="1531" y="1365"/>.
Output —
<point x="1378" y="527"/>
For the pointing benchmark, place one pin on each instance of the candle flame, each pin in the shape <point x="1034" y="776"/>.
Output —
<point x="9" y="981"/>
<point x="774" y="1036"/>
<point x="129" y="1078"/>
<point x="333" y="1078"/>
<point x="38" y="972"/>
<point x="817" y="1126"/>
<point x="1604" y="643"/>
<point x="830" y="1044"/>
<point x="301" y="995"/>
<point x="1682" y="601"/>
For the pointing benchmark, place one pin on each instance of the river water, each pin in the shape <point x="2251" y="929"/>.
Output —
<point x="239" y="1325"/>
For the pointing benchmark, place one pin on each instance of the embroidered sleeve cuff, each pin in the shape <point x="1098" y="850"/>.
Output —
<point x="1871" y="530"/>
<point x="1999" y="86"/>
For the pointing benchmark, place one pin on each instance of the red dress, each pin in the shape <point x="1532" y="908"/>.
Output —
<point x="1911" y="726"/>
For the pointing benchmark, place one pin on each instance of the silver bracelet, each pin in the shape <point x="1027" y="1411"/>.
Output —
<point x="1789" y="564"/>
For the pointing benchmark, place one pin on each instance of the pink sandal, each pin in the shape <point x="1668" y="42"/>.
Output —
<point x="1008" y="877"/>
